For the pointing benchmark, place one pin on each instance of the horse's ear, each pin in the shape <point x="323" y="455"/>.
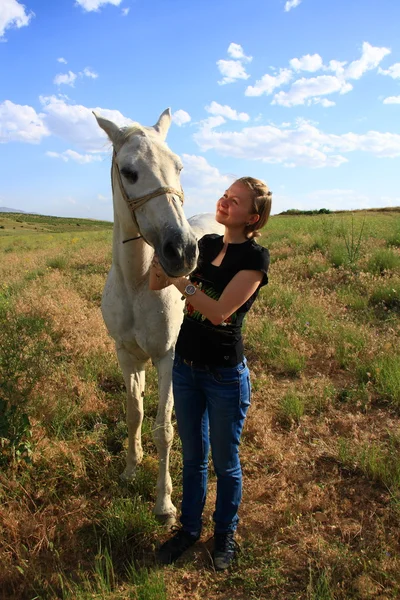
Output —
<point x="163" y="123"/>
<point x="111" y="129"/>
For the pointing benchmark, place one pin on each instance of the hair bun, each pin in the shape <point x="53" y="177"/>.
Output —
<point x="253" y="234"/>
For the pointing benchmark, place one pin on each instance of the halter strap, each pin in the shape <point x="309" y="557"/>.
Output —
<point x="135" y="203"/>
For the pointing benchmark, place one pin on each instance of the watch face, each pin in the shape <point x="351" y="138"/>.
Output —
<point x="190" y="289"/>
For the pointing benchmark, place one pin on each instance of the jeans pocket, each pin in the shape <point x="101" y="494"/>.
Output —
<point x="242" y="367"/>
<point x="226" y="376"/>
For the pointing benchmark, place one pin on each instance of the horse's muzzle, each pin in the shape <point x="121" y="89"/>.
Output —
<point x="178" y="255"/>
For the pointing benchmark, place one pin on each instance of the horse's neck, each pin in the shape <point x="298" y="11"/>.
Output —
<point x="132" y="258"/>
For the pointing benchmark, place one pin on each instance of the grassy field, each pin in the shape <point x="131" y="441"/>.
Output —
<point x="321" y="447"/>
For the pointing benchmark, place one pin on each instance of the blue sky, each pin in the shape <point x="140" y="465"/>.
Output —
<point x="304" y="94"/>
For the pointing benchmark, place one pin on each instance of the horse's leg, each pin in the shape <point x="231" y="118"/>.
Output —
<point x="134" y="377"/>
<point x="163" y="434"/>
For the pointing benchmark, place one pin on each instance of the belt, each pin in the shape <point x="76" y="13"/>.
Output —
<point x="194" y="364"/>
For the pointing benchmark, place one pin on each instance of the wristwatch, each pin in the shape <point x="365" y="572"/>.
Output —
<point x="189" y="290"/>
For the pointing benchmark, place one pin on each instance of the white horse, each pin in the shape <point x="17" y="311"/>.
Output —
<point x="148" y="218"/>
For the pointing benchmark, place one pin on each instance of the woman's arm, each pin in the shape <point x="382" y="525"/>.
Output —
<point x="236" y="293"/>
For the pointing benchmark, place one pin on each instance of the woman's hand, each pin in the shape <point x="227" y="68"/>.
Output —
<point x="157" y="268"/>
<point x="158" y="279"/>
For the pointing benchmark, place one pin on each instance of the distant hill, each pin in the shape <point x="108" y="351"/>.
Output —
<point x="23" y="222"/>
<point x="11" y="210"/>
<point x="292" y="212"/>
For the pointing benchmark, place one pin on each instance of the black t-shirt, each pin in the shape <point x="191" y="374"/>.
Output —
<point x="219" y="345"/>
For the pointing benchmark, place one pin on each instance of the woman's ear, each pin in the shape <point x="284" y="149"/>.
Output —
<point x="253" y="219"/>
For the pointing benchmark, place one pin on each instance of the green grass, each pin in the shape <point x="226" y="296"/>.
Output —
<point x="320" y="586"/>
<point x="379" y="462"/>
<point x="255" y="584"/>
<point x="337" y="255"/>
<point x="273" y="345"/>
<point x="290" y="409"/>
<point x="386" y="296"/>
<point x="322" y="347"/>
<point x="384" y="372"/>
<point x="58" y="262"/>
<point x="278" y="296"/>
<point x="383" y="260"/>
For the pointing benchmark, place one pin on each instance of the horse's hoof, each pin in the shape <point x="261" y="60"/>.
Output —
<point x="166" y="520"/>
<point x="129" y="475"/>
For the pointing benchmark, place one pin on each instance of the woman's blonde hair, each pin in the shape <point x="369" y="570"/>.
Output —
<point x="262" y="200"/>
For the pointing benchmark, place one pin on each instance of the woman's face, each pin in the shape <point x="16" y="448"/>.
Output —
<point x="234" y="208"/>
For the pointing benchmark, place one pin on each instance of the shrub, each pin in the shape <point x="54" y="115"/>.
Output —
<point x="58" y="262"/>
<point x="384" y="372"/>
<point x="337" y="255"/>
<point x="295" y="211"/>
<point x="383" y="260"/>
<point x="290" y="410"/>
<point x="387" y="296"/>
<point x="394" y="240"/>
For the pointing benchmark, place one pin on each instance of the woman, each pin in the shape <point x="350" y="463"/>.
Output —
<point x="211" y="382"/>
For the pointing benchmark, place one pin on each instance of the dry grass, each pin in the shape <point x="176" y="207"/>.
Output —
<point x="321" y="446"/>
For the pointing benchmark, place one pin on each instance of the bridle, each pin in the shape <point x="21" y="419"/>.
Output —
<point x="135" y="203"/>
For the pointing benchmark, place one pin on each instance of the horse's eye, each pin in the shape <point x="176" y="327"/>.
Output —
<point x="131" y="176"/>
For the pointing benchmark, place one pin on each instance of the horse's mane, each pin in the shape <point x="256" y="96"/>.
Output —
<point x="136" y="128"/>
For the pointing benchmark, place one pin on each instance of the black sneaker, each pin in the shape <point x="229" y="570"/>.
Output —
<point x="225" y="548"/>
<point x="172" y="549"/>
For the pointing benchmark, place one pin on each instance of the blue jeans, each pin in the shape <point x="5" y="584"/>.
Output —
<point x="210" y="406"/>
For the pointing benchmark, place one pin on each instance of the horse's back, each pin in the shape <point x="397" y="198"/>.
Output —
<point x="205" y="223"/>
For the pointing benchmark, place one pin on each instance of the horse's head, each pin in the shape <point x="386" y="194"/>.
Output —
<point x="147" y="192"/>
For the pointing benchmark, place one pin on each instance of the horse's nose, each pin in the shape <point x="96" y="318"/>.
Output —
<point x="179" y="253"/>
<point x="172" y="251"/>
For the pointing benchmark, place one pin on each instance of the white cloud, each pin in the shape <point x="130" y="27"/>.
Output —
<point x="231" y="71"/>
<point x="303" y="89"/>
<point x="383" y="145"/>
<point x="337" y="67"/>
<point x="89" y="73"/>
<point x="308" y="62"/>
<point x="392" y="100"/>
<point x="268" y="83"/>
<point x="203" y="183"/>
<point x="236" y="51"/>
<point x="306" y="90"/>
<point x="12" y="14"/>
<point x="76" y="124"/>
<point x="370" y="59"/>
<point x="65" y="79"/>
<point x="91" y="5"/>
<point x="70" y="77"/>
<point x="21" y="124"/>
<point x="212" y="122"/>
<point x="180" y="117"/>
<point x="291" y="4"/>
<point x="68" y="155"/>
<point x="226" y="111"/>
<point x="324" y="102"/>
<point x="393" y="71"/>
<point x="302" y="144"/>
<point x="62" y="60"/>
<point x="125" y="12"/>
